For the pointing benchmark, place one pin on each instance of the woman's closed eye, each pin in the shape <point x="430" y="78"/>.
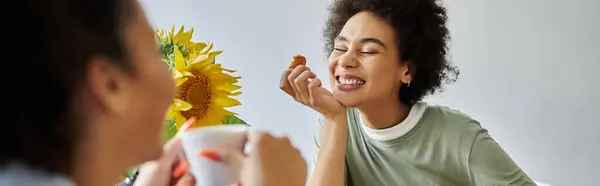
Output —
<point x="364" y="52"/>
<point x="368" y="52"/>
<point x="340" y="49"/>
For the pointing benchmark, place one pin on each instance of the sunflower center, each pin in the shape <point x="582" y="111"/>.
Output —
<point x="196" y="91"/>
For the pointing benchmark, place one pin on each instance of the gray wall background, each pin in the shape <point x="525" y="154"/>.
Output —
<point x="529" y="71"/>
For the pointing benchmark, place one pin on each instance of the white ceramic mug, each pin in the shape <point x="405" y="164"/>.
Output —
<point x="207" y="172"/>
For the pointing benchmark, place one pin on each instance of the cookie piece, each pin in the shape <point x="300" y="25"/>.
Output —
<point x="298" y="60"/>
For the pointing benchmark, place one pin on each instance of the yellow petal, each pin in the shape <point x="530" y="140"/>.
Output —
<point x="220" y="78"/>
<point x="179" y="120"/>
<point x="199" y="62"/>
<point x="179" y="32"/>
<point x="208" y="57"/>
<point x="179" y="60"/>
<point x="199" y="46"/>
<point x="181" y="105"/>
<point x="226" y="112"/>
<point x="229" y="87"/>
<point x="212" y="55"/>
<point x="228" y="70"/>
<point x="191" y="55"/>
<point x="200" y="57"/>
<point x="186" y="37"/>
<point x="222" y="94"/>
<point x="171" y="32"/>
<point x="219" y="67"/>
<point x="177" y="74"/>
<point x="210" y="46"/>
<point x="228" y="102"/>
<point x="187" y="74"/>
<point x="215" y="118"/>
<point x="170" y="114"/>
<point x="180" y="81"/>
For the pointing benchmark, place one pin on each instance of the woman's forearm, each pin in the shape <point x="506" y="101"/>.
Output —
<point x="329" y="167"/>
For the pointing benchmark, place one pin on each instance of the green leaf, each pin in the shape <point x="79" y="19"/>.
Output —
<point x="232" y="119"/>
<point x="166" y="47"/>
<point x="170" y="60"/>
<point x="170" y="129"/>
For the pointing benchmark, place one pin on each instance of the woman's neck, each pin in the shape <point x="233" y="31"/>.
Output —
<point x="384" y="115"/>
<point x="96" y="164"/>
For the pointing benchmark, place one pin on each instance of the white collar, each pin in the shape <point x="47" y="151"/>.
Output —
<point x="399" y="130"/>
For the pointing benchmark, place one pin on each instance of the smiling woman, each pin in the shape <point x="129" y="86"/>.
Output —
<point x="385" y="56"/>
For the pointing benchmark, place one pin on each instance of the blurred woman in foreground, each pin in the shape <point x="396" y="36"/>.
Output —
<point x="92" y="100"/>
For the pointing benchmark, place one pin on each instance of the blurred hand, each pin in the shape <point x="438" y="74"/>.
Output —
<point x="272" y="161"/>
<point x="172" y="168"/>
<point x="306" y="88"/>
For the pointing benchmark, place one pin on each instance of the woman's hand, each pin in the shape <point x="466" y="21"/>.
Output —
<point x="304" y="86"/>
<point x="272" y="161"/>
<point x="170" y="169"/>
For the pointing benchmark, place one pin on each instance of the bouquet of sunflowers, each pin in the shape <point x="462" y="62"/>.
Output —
<point x="204" y="88"/>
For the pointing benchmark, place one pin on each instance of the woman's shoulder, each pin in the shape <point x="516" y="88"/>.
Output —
<point x="450" y="123"/>
<point x="19" y="174"/>
<point x="445" y="115"/>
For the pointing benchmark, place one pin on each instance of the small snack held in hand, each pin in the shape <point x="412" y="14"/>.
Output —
<point x="298" y="60"/>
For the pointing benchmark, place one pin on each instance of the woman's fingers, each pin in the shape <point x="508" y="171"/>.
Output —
<point x="312" y="87"/>
<point x="186" y="180"/>
<point x="285" y="85"/>
<point x="295" y="82"/>
<point x="301" y="82"/>
<point x="180" y="169"/>
<point x="292" y="78"/>
<point x="171" y="150"/>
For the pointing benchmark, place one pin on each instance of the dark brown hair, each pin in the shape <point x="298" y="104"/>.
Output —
<point x="421" y="34"/>
<point x="52" y="46"/>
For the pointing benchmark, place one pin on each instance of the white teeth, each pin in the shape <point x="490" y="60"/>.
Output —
<point x="351" y="81"/>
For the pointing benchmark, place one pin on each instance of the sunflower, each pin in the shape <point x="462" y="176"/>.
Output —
<point x="204" y="88"/>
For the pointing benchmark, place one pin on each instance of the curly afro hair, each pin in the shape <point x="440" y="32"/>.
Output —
<point x="421" y="34"/>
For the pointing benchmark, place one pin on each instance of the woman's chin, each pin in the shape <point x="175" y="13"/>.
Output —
<point x="348" y="100"/>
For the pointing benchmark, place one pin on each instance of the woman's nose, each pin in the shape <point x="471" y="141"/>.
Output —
<point x="347" y="60"/>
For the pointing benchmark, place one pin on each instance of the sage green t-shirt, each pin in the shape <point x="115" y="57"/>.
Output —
<point x="434" y="146"/>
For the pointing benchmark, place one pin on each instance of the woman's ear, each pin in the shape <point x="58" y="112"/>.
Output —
<point x="407" y="71"/>
<point x="108" y="85"/>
